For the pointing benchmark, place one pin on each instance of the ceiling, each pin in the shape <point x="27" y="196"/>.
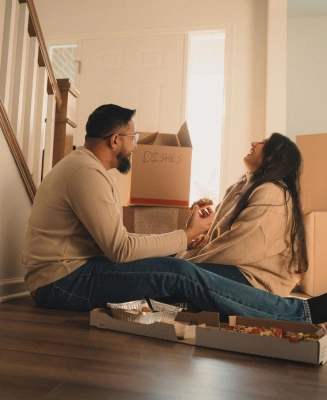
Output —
<point x="306" y="8"/>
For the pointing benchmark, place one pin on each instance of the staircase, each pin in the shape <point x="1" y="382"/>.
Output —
<point x="30" y="97"/>
<point x="36" y="126"/>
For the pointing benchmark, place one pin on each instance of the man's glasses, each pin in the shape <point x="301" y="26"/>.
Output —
<point x="136" y="137"/>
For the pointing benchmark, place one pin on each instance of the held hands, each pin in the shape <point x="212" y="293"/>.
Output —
<point x="198" y="242"/>
<point x="198" y="223"/>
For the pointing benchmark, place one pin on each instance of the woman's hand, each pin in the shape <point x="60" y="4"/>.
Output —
<point x="198" y="223"/>
<point x="198" y="242"/>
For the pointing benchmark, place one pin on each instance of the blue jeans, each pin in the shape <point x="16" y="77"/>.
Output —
<point x="100" y="281"/>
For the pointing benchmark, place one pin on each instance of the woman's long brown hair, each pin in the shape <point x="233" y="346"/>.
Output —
<point x="281" y="165"/>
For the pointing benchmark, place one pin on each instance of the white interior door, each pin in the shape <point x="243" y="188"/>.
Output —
<point x="144" y="73"/>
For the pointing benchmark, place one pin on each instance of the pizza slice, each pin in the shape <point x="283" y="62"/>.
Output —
<point x="203" y="203"/>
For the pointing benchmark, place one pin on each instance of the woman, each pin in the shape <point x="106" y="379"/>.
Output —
<point x="257" y="236"/>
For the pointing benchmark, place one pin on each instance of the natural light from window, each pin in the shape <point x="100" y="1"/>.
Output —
<point x="205" y="111"/>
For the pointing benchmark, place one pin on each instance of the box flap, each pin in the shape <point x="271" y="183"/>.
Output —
<point x="167" y="139"/>
<point x="100" y="319"/>
<point x="184" y="136"/>
<point x="147" y="137"/>
<point x="182" y="139"/>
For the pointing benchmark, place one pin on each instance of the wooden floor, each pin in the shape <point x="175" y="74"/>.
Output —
<point x="57" y="355"/>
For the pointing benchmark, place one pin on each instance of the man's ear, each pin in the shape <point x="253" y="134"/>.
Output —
<point x="114" y="142"/>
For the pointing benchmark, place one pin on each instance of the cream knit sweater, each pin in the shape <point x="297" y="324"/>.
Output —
<point x="258" y="242"/>
<point x="77" y="215"/>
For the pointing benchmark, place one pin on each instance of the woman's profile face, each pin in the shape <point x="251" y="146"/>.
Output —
<point x="253" y="159"/>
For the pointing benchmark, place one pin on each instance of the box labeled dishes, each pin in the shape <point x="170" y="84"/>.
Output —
<point x="161" y="169"/>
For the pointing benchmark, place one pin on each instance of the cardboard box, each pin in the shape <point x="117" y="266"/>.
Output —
<point x="212" y="336"/>
<point x="154" y="220"/>
<point x="161" y="169"/>
<point x="314" y="176"/>
<point x="307" y="352"/>
<point x="315" y="280"/>
<point x="100" y="318"/>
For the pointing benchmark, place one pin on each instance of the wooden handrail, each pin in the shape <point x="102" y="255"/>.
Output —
<point x="35" y="30"/>
<point x="16" y="151"/>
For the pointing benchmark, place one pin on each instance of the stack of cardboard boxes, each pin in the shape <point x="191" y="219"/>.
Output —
<point x="160" y="178"/>
<point x="314" y="200"/>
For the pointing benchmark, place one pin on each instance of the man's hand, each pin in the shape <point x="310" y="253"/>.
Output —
<point x="198" y="223"/>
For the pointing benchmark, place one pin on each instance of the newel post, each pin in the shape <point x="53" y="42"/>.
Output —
<point x="65" y="125"/>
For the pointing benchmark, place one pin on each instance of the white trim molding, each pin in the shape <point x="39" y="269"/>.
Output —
<point x="13" y="288"/>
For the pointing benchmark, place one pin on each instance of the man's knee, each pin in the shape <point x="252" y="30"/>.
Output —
<point x="182" y="265"/>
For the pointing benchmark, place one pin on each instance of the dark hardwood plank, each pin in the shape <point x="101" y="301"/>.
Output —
<point x="49" y="355"/>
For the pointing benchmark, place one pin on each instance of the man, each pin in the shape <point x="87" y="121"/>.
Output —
<point x="76" y="220"/>
<point x="78" y="255"/>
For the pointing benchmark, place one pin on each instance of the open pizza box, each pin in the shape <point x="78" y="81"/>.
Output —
<point x="210" y="333"/>
<point x="302" y="351"/>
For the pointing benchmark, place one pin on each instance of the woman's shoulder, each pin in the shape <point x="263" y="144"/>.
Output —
<point x="270" y="190"/>
<point x="276" y="186"/>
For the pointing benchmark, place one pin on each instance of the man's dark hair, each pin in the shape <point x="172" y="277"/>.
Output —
<point x="106" y="119"/>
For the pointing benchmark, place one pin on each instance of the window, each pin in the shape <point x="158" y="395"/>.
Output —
<point x="63" y="59"/>
<point x="205" y="111"/>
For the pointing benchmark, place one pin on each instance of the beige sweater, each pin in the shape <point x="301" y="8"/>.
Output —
<point x="77" y="215"/>
<point x="258" y="242"/>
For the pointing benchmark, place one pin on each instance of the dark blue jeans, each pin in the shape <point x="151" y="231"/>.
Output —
<point x="100" y="281"/>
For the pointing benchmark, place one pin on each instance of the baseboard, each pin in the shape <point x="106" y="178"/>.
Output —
<point x="11" y="289"/>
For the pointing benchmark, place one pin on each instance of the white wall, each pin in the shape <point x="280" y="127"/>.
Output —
<point x="246" y="25"/>
<point x="306" y="76"/>
<point x="15" y="209"/>
<point x="276" y="67"/>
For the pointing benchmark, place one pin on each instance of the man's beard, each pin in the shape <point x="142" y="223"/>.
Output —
<point x="124" y="164"/>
